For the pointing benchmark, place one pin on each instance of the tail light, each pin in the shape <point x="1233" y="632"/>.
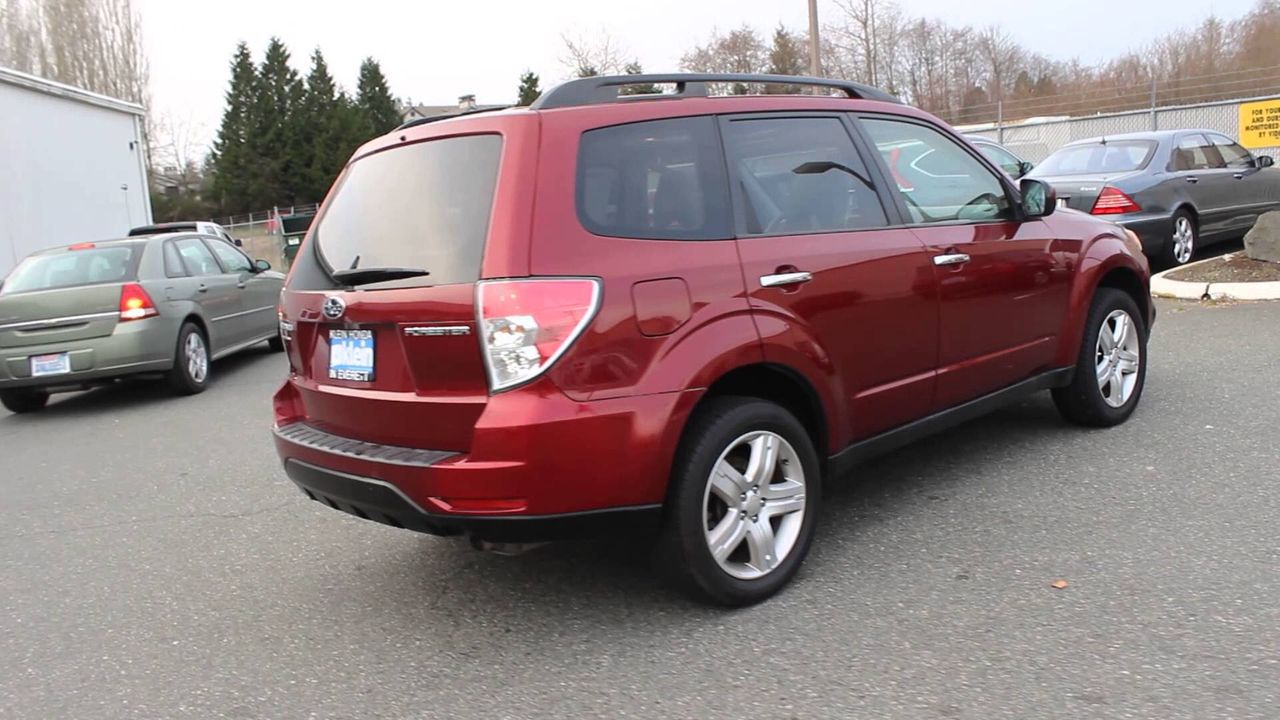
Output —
<point x="135" y="303"/>
<point x="1114" y="202"/>
<point x="526" y="325"/>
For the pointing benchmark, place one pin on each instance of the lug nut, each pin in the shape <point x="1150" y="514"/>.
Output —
<point x="755" y="518"/>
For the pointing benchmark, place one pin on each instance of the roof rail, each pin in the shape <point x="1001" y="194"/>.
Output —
<point x="433" y="118"/>
<point x="604" y="88"/>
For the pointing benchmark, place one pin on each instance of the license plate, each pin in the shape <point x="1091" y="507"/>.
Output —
<point x="351" y="355"/>
<point x="55" y="364"/>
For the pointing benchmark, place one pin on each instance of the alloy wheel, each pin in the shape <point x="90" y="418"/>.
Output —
<point x="197" y="358"/>
<point x="1117" y="358"/>
<point x="1184" y="239"/>
<point x="754" y="505"/>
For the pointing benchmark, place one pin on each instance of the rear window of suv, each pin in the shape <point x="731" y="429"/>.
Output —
<point x="71" y="268"/>
<point x="425" y="206"/>
<point x="660" y="180"/>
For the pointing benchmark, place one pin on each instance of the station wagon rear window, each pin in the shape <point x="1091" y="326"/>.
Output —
<point x="425" y="206"/>
<point x="71" y="268"/>
<point x="1099" y="158"/>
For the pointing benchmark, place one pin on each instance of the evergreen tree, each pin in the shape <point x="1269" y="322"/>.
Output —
<point x="633" y="68"/>
<point x="323" y="151"/>
<point x="230" y="160"/>
<point x="380" y="109"/>
<point x="528" y="90"/>
<point x="786" y="57"/>
<point x="275" y="146"/>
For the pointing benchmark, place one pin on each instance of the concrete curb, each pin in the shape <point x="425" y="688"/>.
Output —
<point x="1162" y="286"/>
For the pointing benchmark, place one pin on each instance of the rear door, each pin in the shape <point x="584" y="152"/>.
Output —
<point x="214" y="290"/>
<point x="1210" y="184"/>
<point x="826" y="259"/>
<point x="1003" y="283"/>
<point x="398" y="361"/>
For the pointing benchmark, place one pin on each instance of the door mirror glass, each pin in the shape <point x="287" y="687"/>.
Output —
<point x="1266" y="161"/>
<point x="261" y="265"/>
<point x="1038" y="199"/>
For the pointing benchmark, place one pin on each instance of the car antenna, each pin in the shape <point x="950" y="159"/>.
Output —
<point x="354" y="262"/>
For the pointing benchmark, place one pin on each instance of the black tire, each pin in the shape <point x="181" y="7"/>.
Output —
<point x="1170" y="253"/>
<point x="23" y="400"/>
<point x="276" y="343"/>
<point x="1083" y="401"/>
<point x="181" y="378"/>
<point x="684" y="555"/>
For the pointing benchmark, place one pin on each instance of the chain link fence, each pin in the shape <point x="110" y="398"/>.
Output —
<point x="1037" y="138"/>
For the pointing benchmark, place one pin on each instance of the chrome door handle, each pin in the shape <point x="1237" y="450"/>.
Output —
<point x="203" y="288"/>
<point x="1193" y="180"/>
<point x="791" y="278"/>
<point x="951" y="259"/>
<point x="1238" y="176"/>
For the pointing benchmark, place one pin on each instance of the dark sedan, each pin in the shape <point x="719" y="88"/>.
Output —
<point x="1177" y="189"/>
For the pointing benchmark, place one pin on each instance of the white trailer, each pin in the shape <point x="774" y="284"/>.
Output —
<point x="72" y="166"/>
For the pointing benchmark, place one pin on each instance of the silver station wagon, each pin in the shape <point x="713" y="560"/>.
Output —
<point x="164" y="305"/>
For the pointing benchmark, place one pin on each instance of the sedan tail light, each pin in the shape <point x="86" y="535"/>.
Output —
<point x="135" y="303"/>
<point x="526" y="325"/>
<point x="1112" y="201"/>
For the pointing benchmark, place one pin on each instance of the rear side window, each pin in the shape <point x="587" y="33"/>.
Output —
<point x="173" y="262"/>
<point x="1195" y="152"/>
<point x="800" y="175"/>
<point x="72" y="268"/>
<point x="424" y="206"/>
<point x="197" y="258"/>
<point x="661" y="180"/>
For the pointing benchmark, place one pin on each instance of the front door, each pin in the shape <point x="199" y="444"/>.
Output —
<point x="826" y="270"/>
<point x="260" y="293"/>
<point x="1003" y="283"/>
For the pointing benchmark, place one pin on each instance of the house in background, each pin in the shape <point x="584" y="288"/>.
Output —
<point x="466" y="104"/>
<point x="72" y="166"/>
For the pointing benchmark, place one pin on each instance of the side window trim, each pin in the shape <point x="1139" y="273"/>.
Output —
<point x="738" y="203"/>
<point x="1012" y="194"/>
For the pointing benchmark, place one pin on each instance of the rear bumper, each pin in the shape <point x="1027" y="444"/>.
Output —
<point x="1153" y="229"/>
<point x="537" y="459"/>
<point x="384" y="502"/>
<point x="142" y="346"/>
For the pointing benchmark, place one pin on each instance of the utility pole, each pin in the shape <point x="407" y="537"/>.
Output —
<point x="815" y="67"/>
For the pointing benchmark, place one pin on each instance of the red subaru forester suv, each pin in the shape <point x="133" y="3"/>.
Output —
<point x="680" y="311"/>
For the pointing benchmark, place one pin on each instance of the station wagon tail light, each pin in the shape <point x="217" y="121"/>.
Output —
<point x="1112" y="201"/>
<point x="526" y="325"/>
<point x="135" y="303"/>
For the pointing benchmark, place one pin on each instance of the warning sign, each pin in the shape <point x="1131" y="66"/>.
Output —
<point x="1260" y="124"/>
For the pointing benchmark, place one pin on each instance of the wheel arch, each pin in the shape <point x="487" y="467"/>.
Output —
<point x="781" y="385"/>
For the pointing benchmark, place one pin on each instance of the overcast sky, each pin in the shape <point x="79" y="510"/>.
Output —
<point x="434" y="51"/>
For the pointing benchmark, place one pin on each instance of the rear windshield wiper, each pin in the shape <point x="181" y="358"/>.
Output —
<point x="364" y="276"/>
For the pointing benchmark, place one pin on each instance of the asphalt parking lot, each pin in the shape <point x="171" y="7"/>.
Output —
<point x="156" y="563"/>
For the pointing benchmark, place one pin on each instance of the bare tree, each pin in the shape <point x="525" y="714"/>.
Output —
<point x="91" y="44"/>
<point x="739" y="51"/>
<point x="600" y="55"/>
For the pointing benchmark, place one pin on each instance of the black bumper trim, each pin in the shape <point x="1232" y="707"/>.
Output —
<point x="316" y="439"/>
<point x="382" y="502"/>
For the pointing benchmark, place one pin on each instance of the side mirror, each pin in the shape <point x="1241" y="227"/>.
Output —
<point x="262" y="265"/>
<point x="1038" y="199"/>
<point x="1266" y="161"/>
<point x="1025" y="167"/>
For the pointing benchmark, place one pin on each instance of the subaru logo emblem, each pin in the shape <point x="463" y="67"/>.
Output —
<point x="334" y="306"/>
